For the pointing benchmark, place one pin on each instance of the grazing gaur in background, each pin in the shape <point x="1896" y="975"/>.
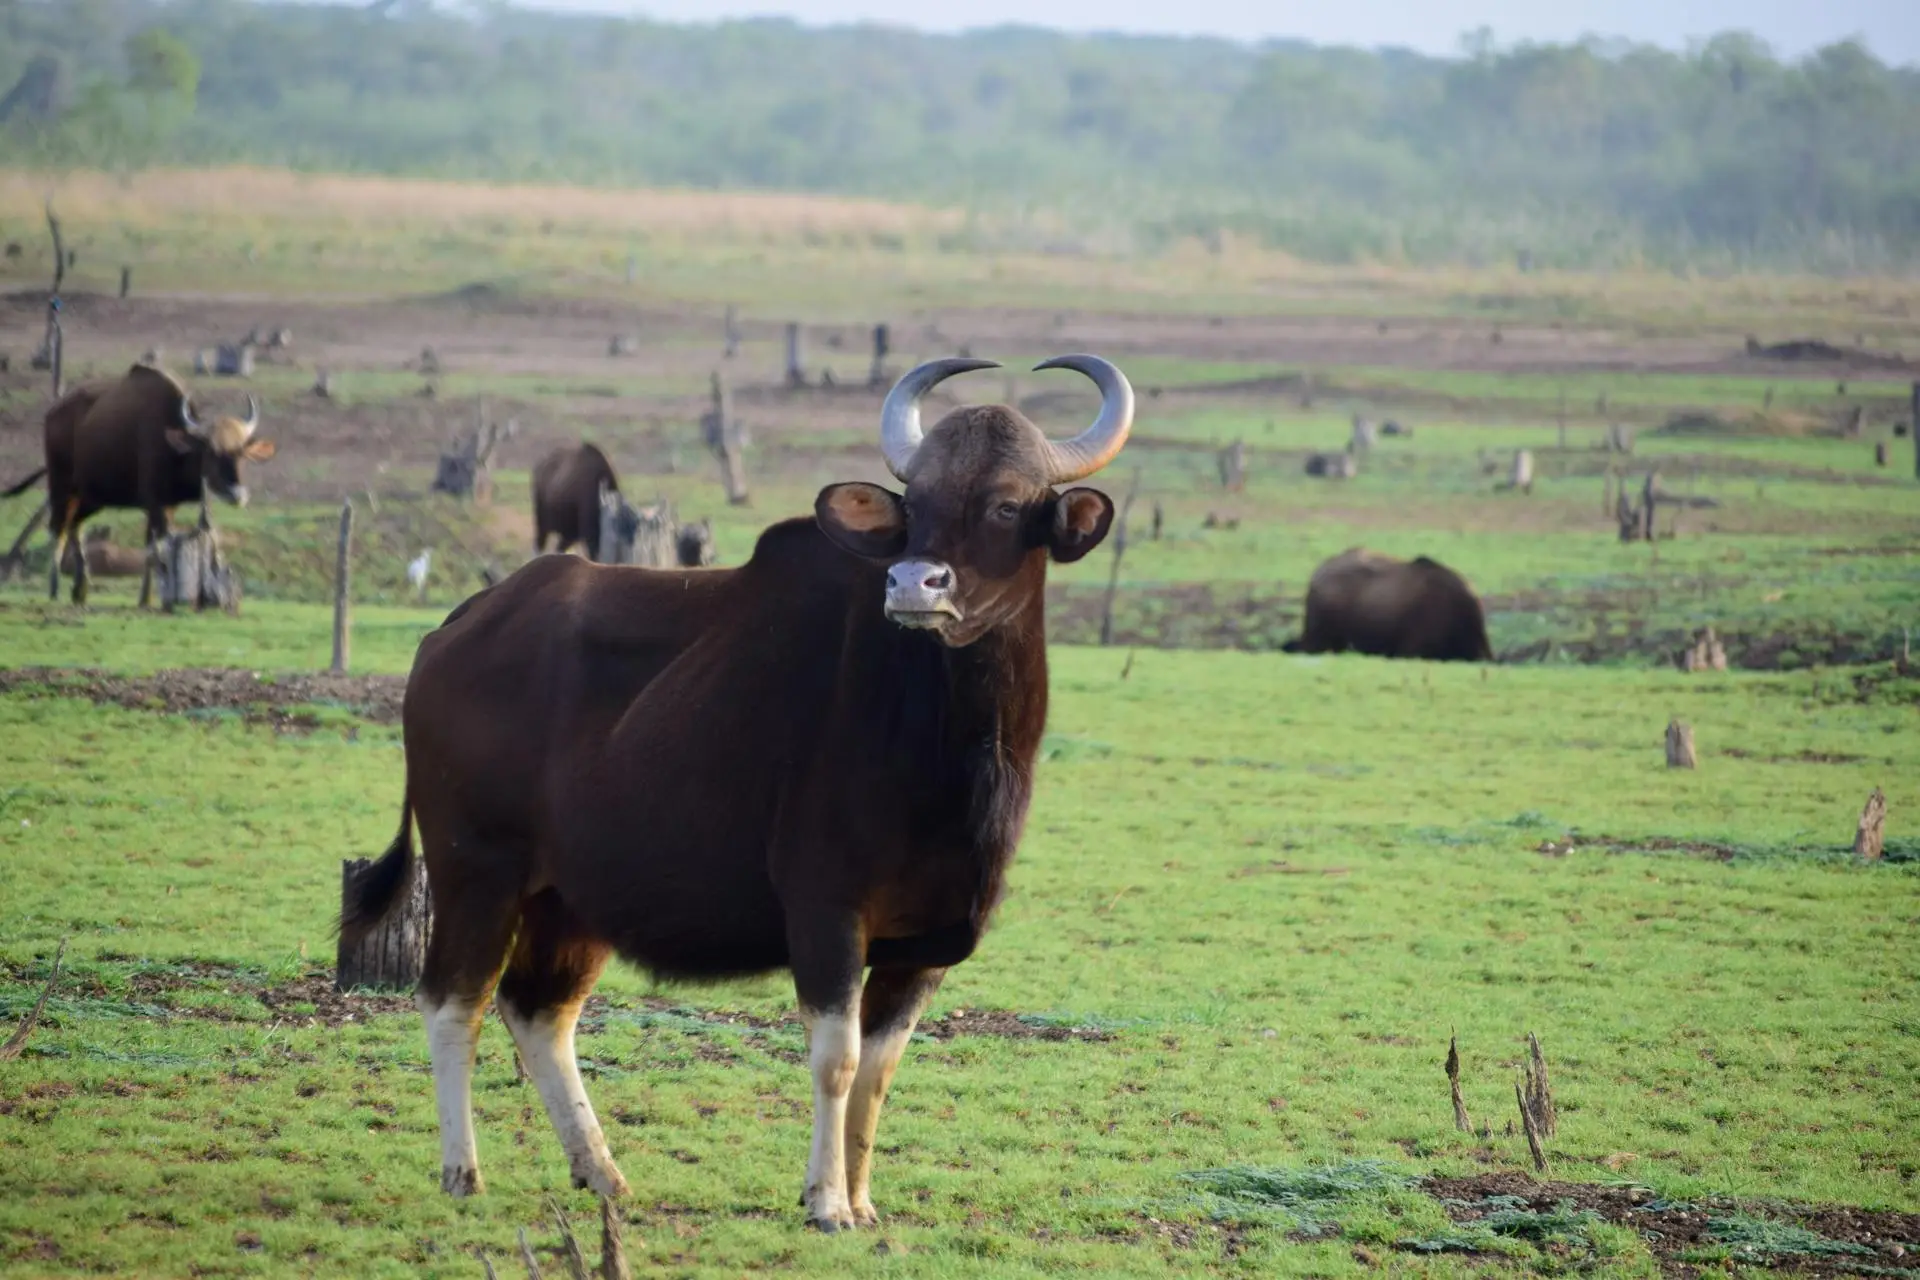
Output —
<point x="1373" y="603"/>
<point x="566" y="497"/>
<point x="819" y="761"/>
<point x="137" y="444"/>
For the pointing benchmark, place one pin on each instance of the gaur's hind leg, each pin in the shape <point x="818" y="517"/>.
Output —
<point x="889" y="1008"/>
<point x="474" y="915"/>
<point x="62" y="525"/>
<point x="553" y="967"/>
<point x="827" y="956"/>
<point x="157" y="523"/>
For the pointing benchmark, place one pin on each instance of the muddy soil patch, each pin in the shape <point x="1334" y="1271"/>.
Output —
<point x="1691" y="1238"/>
<point x="284" y="701"/>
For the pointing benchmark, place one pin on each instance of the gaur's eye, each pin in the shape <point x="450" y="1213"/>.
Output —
<point x="1007" y="512"/>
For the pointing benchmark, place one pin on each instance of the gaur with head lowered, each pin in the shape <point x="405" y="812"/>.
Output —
<point x="1374" y="603"/>
<point x="819" y="761"/>
<point x="138" y="444"/>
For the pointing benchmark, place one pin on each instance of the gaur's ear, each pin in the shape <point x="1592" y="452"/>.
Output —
<point x="180" y="440"/>
<point x="258" y="450"/>
<point x="1081" y="518"/>
<point x="863" y="518"/>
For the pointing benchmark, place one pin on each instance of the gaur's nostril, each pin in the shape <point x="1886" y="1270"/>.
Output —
<point x="939" y="580"/>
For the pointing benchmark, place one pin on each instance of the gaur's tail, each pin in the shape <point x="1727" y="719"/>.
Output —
<point x="24" y="485"/>
<point x="377" y="889"/>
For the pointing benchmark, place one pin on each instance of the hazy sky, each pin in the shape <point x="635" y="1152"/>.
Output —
<point x="1891" y="28"/>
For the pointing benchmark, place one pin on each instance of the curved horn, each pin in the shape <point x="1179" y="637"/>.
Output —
<point x="1095" y="447"/>
<point x="252" y="423"/>
<point x="900" y="416"/>
<point x="194" y="427"/>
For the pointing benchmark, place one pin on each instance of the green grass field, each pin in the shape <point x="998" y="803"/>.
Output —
<point x="1274" y="885"/>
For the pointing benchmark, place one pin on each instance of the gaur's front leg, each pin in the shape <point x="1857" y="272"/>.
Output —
<point x="889" y="1008"/>
<point x="828" y="953"/>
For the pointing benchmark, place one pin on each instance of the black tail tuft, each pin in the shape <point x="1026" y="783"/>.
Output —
<point x="378" y="888"/>
<point x="24" y="485"/>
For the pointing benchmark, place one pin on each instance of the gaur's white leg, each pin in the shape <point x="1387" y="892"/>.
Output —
<point x="833" y="1056"/>
<point x="453" y="1032"/>
<point x="546" y="1050"/>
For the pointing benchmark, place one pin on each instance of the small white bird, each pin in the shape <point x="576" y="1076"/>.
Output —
<point x="417" y="571"/>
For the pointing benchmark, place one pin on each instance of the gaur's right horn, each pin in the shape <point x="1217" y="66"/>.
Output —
<point x="900" y="430"/>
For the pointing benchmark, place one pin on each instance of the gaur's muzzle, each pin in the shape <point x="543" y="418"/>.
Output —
<point x="920" y="594"/>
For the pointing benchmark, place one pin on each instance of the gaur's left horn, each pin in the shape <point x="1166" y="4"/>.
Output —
<point x="1095" y="447"/>
<point x="193" y="425"/>
<point x="253" y="415"/>
<point x="900" y="429"/>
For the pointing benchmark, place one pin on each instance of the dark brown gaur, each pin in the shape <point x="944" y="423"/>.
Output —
<point x="1373" y="603"/>
<point x="137" y="444"/>
<point x="819" y="761"/>
<point x="566" y="498"/>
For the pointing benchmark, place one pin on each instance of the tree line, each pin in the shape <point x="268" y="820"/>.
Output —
<point x="1584" y="154"/>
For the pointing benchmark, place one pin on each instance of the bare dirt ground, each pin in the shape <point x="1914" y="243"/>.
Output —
<point x="563" y="382"/>
<point x="284" y="701"/>
<point x="1861" y="1242"/>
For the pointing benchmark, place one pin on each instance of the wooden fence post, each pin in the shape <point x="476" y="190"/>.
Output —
<point x="1362" y="438"/>
<point x="1913" y="430"/>
<point x="796" y="365"/>
<point x="882" y="347"/>
<point x="1233" y="467"/>
<point x="392" y="953"/>
<point x="17" y="554"/>
<point x="126" y="281"/>
<point x="726" y="441"/>
<point x="1119" y="551"/>
<point x="730" y="335"/>
<point x="342" y="567"/>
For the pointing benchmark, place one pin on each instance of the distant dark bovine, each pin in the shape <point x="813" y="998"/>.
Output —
<point x="1375" y="604"/>
<point x="566" y="497"/>
<point x="819" y="761"/>
<point x="137" y="444"/>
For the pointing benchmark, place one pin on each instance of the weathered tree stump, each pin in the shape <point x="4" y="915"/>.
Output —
<point x="1460" y="1119"/>
<point x="323" y="384"/>
<point x="730" y="335"/>
<point x="466" y="469"/>
<point x="1880" y="453"/>
<point x="1680" y="753"/>
<point x="646" y="536"/>
<point x="1362" y="438"/>
<point x="1869" y="840"/>
<point x="623" y="344"/>
<point x="1520" y="474"/>
<point x="694" y="545"/>
<point x="190" y="571"/>
<point x="126" y="281"/>
<point x="1705" y="654"/>
<point x="1232" y="462"/>
<point x="392" y="953"/>
<point x="1619" y="439"/>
